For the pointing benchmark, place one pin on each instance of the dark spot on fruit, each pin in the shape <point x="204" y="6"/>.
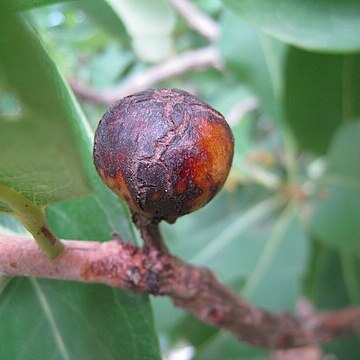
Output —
<point x="167" y="267"/>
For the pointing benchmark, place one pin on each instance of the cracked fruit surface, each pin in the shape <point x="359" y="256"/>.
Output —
<point x="163" y="151"/>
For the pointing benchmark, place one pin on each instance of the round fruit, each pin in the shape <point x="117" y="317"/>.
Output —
<point x="163" y="151"/>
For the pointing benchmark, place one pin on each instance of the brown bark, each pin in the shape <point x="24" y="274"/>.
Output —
<point x="195" y="289"/>
<point x="196" y="19"/>
<point x="203" y="58"/>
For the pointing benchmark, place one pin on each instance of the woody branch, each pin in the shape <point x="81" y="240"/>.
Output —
<point x="152" y="270"/>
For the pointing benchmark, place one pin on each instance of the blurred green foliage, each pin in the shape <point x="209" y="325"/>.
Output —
<point x="285" y="226"/>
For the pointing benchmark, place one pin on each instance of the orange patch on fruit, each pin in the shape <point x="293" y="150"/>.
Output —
<point x="211" y="167"/>
<point x="119" y="186"/>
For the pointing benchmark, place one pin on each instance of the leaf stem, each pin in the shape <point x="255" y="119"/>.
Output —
<point x="33" y="219"/>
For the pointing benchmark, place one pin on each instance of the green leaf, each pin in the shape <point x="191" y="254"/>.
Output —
<point x="22" y="5"/>
<point x="327" y="26"/>
<point x="226" y="347"/>
<point x="40" y="157"/>
<point x="105" y="16"/>
<point x="336" y="203"/>
<point x="150" y="24"/>
<point x="255" y="59"/>
<point x="195" y="331"/>
<point x="232" y="251"/>
<point x="344" y="152"/>
<point x="82" y="321"/>
<point x="334" y="284"/>
<point x="230" y="245"/>
<point x="41" y="319"/>
<point x="60" y="320"/>
<point x="42" y="160"/>
<point x="93" y="217"/>
<point x="322" y="92"/>
<point x="344" y="283"/>
<point x="273" y="282"/>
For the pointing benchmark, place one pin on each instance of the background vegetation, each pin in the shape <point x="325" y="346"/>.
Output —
<point x="286" y="74"/>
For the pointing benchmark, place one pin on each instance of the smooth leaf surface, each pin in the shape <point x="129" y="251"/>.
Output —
<point x="333" y="273"/>
<point x="60" y="320"/>
<point x="93" y="217"/>
<point x="322" y="92"/>
<point x="63" y="320"/>
<point x="22" y="5"/>
<point x="230" y="245"/>
<point x="82" y="321"/>
<point x="323" y="25"/>
<point x="105" y="16"/>
<point x="334" y="284"/>
<point x="150" y="23"/>
<point x="254" y="58"/>
<point x="40" y="157"/>
<point x="275" y="279"/>
<point x="273" y="282"/>
<point x="224" y="346"/>
<point x="336" y="203"/>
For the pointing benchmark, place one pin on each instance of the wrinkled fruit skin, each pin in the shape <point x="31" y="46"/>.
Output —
<point x="163" y="151"/>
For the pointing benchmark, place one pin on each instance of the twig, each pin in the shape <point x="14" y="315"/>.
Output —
<point x="196" y="19"/>
<point x="196" y="59"/>
<point x="313" y="352"/>
<point x="195" y="289"/>
<point x="240" y="109"/>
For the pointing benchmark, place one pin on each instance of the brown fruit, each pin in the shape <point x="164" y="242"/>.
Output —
<point x="163" y="151"/>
